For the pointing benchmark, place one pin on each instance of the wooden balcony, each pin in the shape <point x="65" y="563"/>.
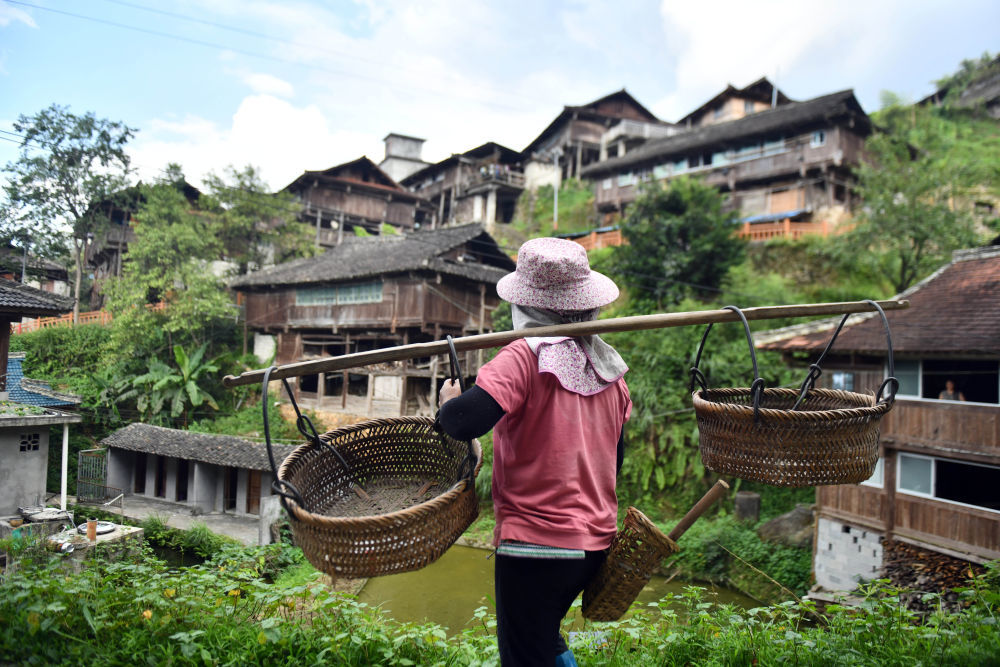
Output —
<point x="954" y="430"/>
<point x="787" y="228"/>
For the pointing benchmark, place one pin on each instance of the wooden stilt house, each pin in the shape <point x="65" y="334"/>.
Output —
<point x="374" y="292"/>
<point x="936" y="484"/>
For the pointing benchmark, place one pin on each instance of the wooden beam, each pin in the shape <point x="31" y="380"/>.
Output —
<point x="501" y="338"/>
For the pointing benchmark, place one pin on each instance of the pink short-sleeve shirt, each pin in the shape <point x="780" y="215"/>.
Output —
<point x="554" y="454"/>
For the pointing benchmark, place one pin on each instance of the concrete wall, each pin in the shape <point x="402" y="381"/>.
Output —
<point x="121" y="464"/>
<point x="205" y="486"/>
<point x="264" y="347"/>
<point x="22" y="474"/>
<point x="537" y="174"/>
<point x="202" y="493"/>
<point x="845" y="554"/>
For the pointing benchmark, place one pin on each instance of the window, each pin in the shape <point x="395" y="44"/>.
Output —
<point x="29" y="442"/>
<point x="976" y="380"/>
<point x="818" y="138"/>
<point x="662" y="170"/>
<point x="953" y="481"/>
<point x="606" y="184"/>
<point x="774" y="147"/>
<point x="626" y="179"/>
<point x="718" y="111"/>
<point x="748" y="107"/>
<point x="877" y="476"/>
<point x="908" y="374"/>
<point x="841" y="380"/>
<point x="916" y="474"/>
<point x="335" y="295"/>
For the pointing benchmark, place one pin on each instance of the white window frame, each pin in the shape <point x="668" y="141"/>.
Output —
<point x="919" y="396"/>
<point x="899" y="475"/>
<point x="818" y="138"/>
<point x="880" y="473"/>
<point x="933" y="494"/>
<point x="920" y="379"/>
<point x="606" y="184"/>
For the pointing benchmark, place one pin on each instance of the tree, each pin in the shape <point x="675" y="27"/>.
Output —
<point x="179" y="387"/>
<point x="66" y="163"/>
<point x="910" y="222"/>
<point x="254" y="226"/>
<point x="169" y="262"/>
<point x="680" y="243"/>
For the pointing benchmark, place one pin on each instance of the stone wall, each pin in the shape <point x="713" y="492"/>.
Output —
<point x="845" y="554"/>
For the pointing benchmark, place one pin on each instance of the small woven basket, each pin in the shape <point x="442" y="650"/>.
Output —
<point x="831" y="438"/>
<point x="791" y="437"/>
<point x="395" y="507"/>
<point x="635" y="554"/>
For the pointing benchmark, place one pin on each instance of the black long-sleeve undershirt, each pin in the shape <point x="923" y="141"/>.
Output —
<point x="475" y="412"/>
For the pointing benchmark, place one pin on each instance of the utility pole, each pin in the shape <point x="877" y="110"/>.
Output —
<point x="555" y="191"/>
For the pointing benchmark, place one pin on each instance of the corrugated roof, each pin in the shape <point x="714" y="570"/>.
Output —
<point x="224" y="450"/>
<point x="771" y="121"/>
<point x="955" y="311"/>
<point x="19" y="299"/>
<point x="362" y="257"/>
<point x="33" y="392"/>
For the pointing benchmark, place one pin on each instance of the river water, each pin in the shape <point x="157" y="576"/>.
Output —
<point x="448" y="591"/>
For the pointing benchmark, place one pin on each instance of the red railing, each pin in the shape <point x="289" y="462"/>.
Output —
<point x="786" y="228"/>
<point x="91" y="317"/>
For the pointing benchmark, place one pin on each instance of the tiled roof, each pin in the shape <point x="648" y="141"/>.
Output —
<point x="18" y="299"/>
<point x="33" y="392"/>
<point x="955" y="311"/>
<point x="781" y="119"/>
<point x="380" y="255"/>
<point x="224" y="450"/>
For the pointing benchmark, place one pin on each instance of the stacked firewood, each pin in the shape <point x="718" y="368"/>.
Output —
<point x="923" y="571"/>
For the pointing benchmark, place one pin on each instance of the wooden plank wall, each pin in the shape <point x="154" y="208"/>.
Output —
<point x="854" y="502"/>
<point x="972" y="431"/>
<point x="951" y="526"/>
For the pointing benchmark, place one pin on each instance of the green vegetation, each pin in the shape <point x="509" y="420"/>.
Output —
<point x="67" y="164"/>
<point x="680" y="243"/>
<point x="257" y="606"/>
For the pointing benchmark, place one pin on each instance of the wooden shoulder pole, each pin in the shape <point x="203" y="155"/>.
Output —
<point x="501" y="338"/>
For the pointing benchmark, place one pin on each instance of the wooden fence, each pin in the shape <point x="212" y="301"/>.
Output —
<point x="787" y="228"/>
<point x="91" y="317"/>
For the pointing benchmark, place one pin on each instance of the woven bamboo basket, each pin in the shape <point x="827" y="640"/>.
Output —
<point x="635" y="554"/>
<point x="396" y="506"/>
<point x="832" y="438"/>
<point x="791" y="437"/>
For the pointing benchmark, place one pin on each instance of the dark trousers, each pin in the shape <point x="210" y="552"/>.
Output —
<point x="532" y="597"/>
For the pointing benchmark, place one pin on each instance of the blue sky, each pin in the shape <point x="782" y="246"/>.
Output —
<point x="295" y="85"/>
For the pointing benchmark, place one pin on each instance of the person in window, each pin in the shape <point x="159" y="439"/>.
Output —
<point x="559" y="405"/>
<point x="949" y="393"/>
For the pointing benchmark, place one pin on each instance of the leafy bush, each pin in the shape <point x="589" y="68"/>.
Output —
<point x="730" y="552"/>
<point x="225" y="612"/>
<point x="198" y="539"/>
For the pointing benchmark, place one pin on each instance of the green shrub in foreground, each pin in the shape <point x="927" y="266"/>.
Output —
<point x="224" y="612"/>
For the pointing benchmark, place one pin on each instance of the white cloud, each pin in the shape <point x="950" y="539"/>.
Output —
<point x="270" y="133"/>
<point x="10" y="14"/>
<point x="268" y="85"/>
<point x="809" y="48"/>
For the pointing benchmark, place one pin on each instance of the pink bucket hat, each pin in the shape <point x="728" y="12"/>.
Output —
<point x="555" y="274"/>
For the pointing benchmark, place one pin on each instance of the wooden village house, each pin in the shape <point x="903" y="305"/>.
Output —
<point x="582" y="135"/>
<point x="356" y="195"/>
<point x="374" y="292"/>
<point x="936" y="485"/>
<point x="786" y="168"/>
<point x="480" y="185"/>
